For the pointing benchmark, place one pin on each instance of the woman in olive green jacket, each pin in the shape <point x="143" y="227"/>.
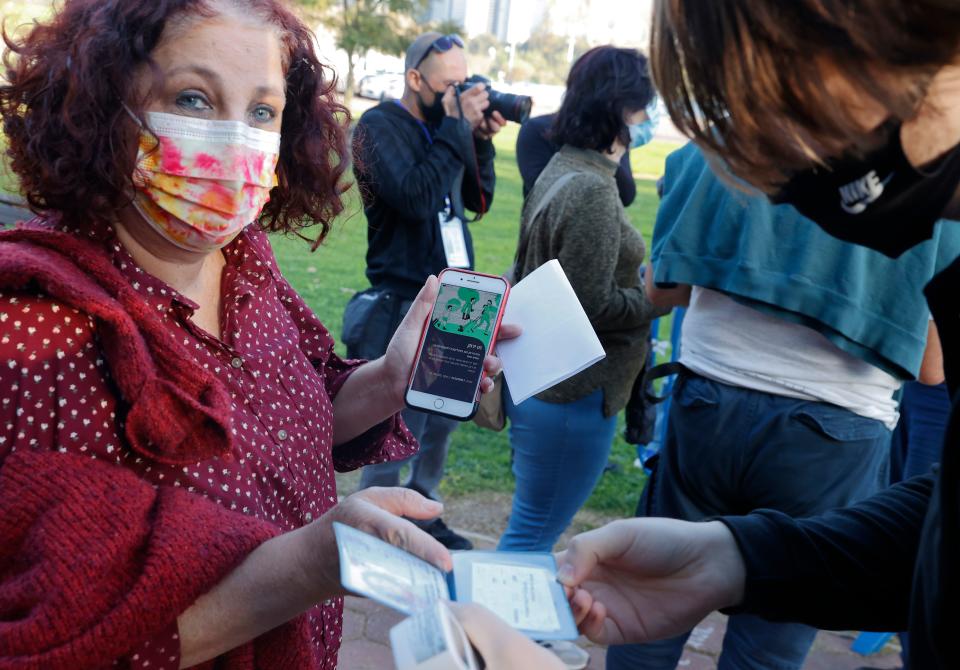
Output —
<point x="561" y="438"/>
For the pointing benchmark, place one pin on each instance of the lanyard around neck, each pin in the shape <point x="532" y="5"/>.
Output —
<point x="423" y="126"/>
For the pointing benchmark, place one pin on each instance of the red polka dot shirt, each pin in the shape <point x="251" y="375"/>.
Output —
<point x="275" y="358"/>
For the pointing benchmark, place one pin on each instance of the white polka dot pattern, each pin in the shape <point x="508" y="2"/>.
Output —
<point x="275" y="358"/>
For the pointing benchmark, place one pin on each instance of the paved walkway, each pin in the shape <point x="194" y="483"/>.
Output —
<point x="367" y="625"/>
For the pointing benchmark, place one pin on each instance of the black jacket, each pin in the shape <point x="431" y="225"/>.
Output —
<point x="535" y="149"/>
<point x="889" y="563"/>
<point x="406" y="171"/>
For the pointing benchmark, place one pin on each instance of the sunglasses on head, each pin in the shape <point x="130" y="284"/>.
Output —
<point x="442" y="44"/>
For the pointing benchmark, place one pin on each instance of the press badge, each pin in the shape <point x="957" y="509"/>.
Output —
<point x="454" y="241"/>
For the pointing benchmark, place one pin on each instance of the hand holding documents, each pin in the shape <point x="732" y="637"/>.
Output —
<point x="557" y="341"/>
<point x="521" y="588"/>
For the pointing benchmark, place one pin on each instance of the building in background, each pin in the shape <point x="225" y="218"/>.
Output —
<point x="510" y="21"/>
<point x="476" y="15"/>
<point x="624" y="24"/>
<point x="473" y="15"/>
<point x="514" y="21"/>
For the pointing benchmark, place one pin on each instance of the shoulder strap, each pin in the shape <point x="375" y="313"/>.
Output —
<point x="541" y="205"/>
<point x="656" y="372"/>
<point x="552" y="192"/>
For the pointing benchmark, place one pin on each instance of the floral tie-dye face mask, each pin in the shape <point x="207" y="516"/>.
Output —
<point x="199" y="183"/>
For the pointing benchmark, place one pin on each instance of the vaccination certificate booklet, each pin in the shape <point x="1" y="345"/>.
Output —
<point x="520" y="588"/>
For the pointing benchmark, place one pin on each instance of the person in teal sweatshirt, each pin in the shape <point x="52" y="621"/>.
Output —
<point x="794" y="346"/>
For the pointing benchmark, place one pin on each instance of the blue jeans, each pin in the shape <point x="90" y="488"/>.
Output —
<point x="730" y="450"/>
<point x="559" y="453"/>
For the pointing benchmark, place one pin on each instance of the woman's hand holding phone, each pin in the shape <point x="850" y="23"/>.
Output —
<point x="402" y="350"/>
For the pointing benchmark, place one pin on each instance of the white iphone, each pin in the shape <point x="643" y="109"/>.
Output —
<point x="461" y="331"/>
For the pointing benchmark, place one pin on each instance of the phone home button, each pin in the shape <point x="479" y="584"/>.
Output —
<point x="438" y="403"/>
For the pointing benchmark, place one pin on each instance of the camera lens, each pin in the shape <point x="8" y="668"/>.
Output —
<point x="514" y="108"/>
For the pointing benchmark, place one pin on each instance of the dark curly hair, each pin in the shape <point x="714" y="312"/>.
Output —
<point x="604" y="85"/>
<point x="72" y="144"/>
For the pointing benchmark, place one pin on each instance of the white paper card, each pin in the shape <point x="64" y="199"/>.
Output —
<point x="377" y="570"/>
<point x="454" y="241"/>
<point x="432" y="640"/>
<point x="558" y="340"/>
<point x="518" y="594"/>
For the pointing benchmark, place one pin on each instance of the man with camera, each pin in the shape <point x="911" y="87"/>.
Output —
<point x="420" y="162"/>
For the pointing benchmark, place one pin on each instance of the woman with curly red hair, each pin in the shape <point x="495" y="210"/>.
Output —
<point x="172" y="410"/>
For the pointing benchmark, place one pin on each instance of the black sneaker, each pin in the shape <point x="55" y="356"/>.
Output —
<point x="439" y="531"/>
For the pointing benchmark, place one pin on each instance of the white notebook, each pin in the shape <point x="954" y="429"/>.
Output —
<point x="557" y="341"/>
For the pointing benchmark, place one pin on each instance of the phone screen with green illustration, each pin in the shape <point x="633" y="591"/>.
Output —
<point x="459" y="334"/>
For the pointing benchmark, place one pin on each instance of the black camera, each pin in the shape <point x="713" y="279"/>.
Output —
<point x="514" y="108"/>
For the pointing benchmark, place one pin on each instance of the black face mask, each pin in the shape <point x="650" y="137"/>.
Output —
<point x="879" y="201"/>
<point x="432" y="113"/>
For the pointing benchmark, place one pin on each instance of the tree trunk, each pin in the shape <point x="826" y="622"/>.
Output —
<point x="351" y="84"/>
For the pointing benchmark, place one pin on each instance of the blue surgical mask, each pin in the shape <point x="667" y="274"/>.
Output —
<point x="641" y="133"/>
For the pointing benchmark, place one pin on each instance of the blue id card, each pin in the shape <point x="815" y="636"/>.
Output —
<point x="521" y="588"/>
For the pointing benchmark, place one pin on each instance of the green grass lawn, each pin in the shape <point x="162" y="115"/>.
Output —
<point x="479" y="459"/>
<point x="8" y="183"/>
